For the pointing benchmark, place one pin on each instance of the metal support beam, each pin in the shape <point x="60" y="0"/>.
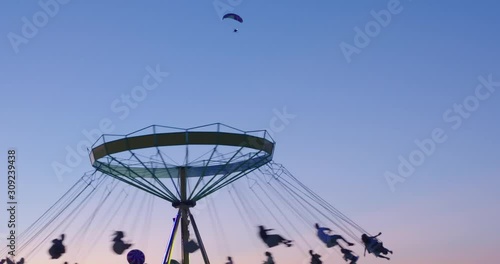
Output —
<point x="183" y="219"/>
<point x="184" y="216"/>
<point x="200" y="242"/>
<point x="168" y="253"/>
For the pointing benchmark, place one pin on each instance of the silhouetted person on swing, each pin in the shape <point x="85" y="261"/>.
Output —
<point x="9" y="261"/>
<point x="273" y="239"/>
<point x="374" y="246"/>
<point x="330" y="240"/>
<point x="269" y="259"/>
<point x="57" y="248"/>
<point x="315" y="258"/>
<point x="229" y="260"/>
<point x="119" y="246"/>
<point x="349" y="256"/>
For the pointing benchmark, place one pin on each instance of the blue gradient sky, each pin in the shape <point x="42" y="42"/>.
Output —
<point x="352" y="120"/>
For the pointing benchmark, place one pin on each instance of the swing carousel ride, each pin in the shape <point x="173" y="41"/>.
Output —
<point x="186" y="167"/>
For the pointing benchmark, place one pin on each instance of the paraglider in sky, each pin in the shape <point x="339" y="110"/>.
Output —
<point x="233" y="17"/>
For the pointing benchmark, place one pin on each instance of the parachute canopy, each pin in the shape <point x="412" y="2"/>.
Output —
<point x="233" y="16"/>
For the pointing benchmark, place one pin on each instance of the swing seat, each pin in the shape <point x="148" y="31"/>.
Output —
<point x="376" y="252"/>
<point x="120" y="247"/>
<point x="330" y="244"/>
<point x="56" y="251"/>
<point x="273" y="240"/>
<point x="191" y="246"/>
<point x="373" y="246"/>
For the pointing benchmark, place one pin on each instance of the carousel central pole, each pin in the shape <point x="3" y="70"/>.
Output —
<point x="184" y="216"/>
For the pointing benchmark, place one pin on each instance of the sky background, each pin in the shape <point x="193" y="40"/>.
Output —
<point x="352" y="120"/>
